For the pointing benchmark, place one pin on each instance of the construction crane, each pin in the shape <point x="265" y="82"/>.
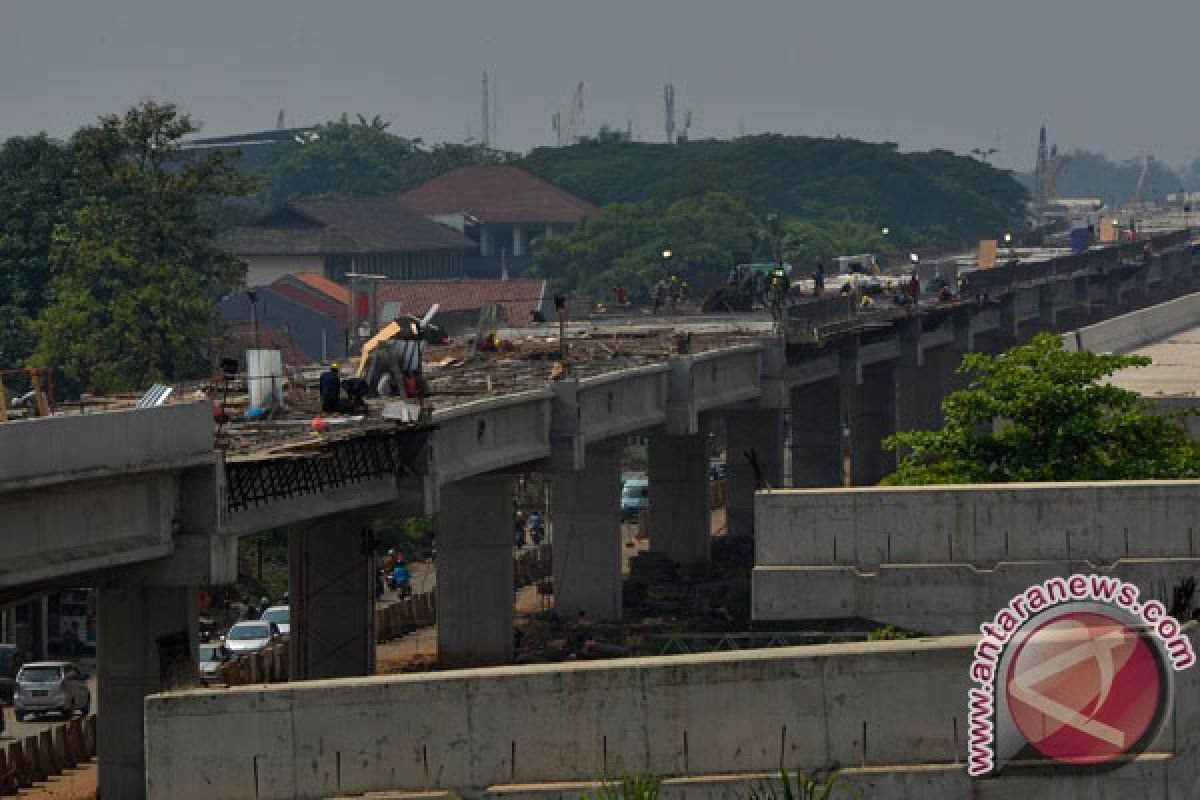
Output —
<point x="1054" y="169"/>
<point x="575" y="116"/>
<point x="1141" y="182"/>
<point x="669" y="111"/>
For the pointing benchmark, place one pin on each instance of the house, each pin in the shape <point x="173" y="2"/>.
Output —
<point x="295" y="310"/>
<point x="336" y="238"/>
<point x="461" y="301"/>
<point x="502" y="208"/>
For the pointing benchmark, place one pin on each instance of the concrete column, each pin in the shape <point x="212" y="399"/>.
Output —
<point x="760" y="433"/>
<point x="585" y="507"/>
<point x="475" y="572"/>
<point x="485" y="240"/>
<point x="146" y="643"/>
<point x="331" y="590"/>
<point x="817" y="435"/>
<point x="679" y="508"/>
<point x="872" y="415"/>
<point x="518" y="248"/>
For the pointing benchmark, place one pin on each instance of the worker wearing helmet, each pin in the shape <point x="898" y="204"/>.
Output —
<point x="331" y="388"/>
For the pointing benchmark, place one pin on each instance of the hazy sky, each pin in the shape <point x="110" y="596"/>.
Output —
<point x="1110" y="75"/>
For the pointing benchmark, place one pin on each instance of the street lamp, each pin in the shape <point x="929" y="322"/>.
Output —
<point x="886" y="231"/>
<point x="666" y="253"/>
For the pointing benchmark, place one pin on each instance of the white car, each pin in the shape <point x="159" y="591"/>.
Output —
<point x="212" y="657"/>
<point x="281" y="616"/>
<point x="252" y="635"/>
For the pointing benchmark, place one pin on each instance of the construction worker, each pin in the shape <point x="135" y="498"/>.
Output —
<point x="330" y="388"/>
<point x="660" y="295"/>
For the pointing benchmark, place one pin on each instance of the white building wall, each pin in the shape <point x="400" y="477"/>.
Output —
<point x="264" y="270"/>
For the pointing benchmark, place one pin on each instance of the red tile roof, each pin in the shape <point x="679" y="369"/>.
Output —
<point x="314" y="301"/>
<point x="334" y="291"/>
<point x="516" y="298"/>
<point x="497" y="194"/>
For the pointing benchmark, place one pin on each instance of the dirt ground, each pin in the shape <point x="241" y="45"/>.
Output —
<point x="74" y="784"/>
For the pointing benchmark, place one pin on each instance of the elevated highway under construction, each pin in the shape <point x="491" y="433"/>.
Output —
<point x="162" y="500"/>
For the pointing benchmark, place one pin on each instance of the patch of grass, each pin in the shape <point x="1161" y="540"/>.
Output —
<point x="794" y="786"/>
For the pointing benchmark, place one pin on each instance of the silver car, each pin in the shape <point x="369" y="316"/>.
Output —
<point x="51" y="687"/>
<point x="252" y="635"/>
<point x="281" y="616"/>
<point x="212" y="658"/>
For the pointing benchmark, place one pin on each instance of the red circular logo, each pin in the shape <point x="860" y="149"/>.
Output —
<point x="1084" y="688"/>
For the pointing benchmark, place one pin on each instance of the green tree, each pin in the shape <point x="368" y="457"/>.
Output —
<point x="923" y="198"/>
<point x="1040" y="413"/>
<point x="33" y="173"/>
<point x="363" y="158"/>
<point x="706" y="236"/>
<point x="136" y="270"/>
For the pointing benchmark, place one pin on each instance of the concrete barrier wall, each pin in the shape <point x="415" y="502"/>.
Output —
<point x="1130" y="331"/>
<point x="49" y="450"/>
<point x="981" y="525"/>
<point x="935" y="598"/>
<point x="941" y="559"/>
<point x="888" y="706"/>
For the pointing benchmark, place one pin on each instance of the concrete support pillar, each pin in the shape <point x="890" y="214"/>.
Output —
<point x="872" y="415"/>
<point x="817" y="435"/>
<point x="146" y="643"/>
<point x="679" y="503"/>
<point x="518" y="243"/>
<point x="758" y="433"/>
<point x="585" y="509"/>
<point x="331" y="589"/>
<point x="475" y="572"/>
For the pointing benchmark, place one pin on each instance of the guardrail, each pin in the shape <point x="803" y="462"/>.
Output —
<point x="36" y="758"/>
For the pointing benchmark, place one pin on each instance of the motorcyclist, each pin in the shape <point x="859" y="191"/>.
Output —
<point x="401" y="578"/>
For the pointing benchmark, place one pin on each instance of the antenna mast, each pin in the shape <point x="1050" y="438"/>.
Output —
<point x="487" y="126"/>
<point x="669" y="109"/>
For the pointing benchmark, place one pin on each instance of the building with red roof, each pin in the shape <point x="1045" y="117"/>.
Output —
<point x="502" y="207"/>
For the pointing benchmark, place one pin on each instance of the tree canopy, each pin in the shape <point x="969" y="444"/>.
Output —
<point x="134" y="267"/>
<point x="1040" y="413"/>
<point x="623" y="244"/>
<point x="362" y="158"/>
<point x="923" y="198"/>
<point x="33" y="200"/>
<point x="1087" y="174"/>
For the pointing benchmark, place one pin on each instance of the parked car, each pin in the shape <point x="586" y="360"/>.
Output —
<point x="635" y="496"/>
<point x="212" y="658"/>
<point x="10" y="662"/>
<point x="51" y="687"/>
<point x="281" y="616"/>
<point x="252" y="635"/>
